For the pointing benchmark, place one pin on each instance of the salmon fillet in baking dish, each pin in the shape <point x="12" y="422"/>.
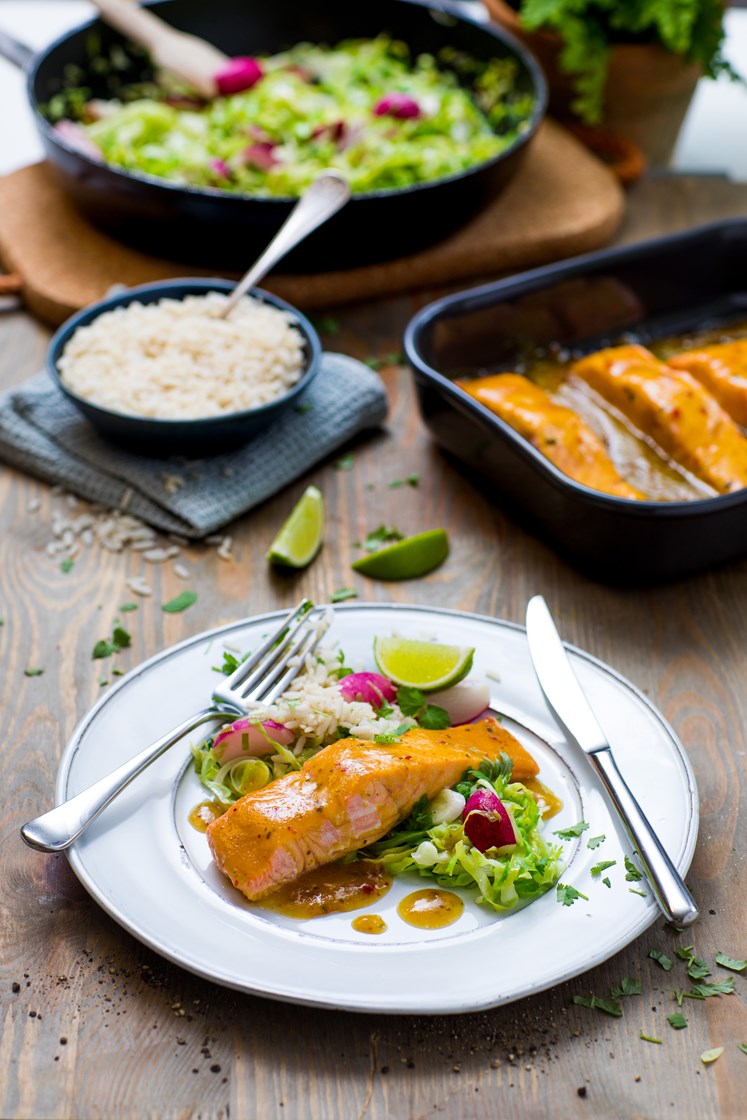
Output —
<point x="722" y="368"/>
<point x="345" y="797"/>
<point x="674" y="409"/>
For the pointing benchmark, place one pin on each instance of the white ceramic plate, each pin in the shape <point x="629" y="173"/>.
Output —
<point x="144" y="863"/>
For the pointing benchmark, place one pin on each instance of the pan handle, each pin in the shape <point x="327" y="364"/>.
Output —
<point x="14" y="51"/>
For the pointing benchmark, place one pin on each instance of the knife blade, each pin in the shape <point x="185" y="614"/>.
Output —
<point x="571" y="708"/>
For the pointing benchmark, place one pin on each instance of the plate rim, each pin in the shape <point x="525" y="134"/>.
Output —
<point x="648" y="916"/>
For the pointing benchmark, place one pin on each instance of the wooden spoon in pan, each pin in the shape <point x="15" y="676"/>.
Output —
<point x="200" y="64"/>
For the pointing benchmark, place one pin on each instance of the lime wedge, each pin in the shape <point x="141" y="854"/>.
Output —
<point x="408" y="558"/>
<point x="424" y="665"/>
<point x="301" y="536"/>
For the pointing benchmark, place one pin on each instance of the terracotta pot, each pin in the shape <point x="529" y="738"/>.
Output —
<point x="648" y="89"/>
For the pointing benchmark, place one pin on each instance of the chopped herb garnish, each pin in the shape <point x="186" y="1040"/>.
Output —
<point x="66" y="565"/>
<point x="412" y="702"/>
<point x="742" y="1046"/>
<point x="393" y="736"/>
<point x="649" y="1038"/>
<point x="103" y="682"/>
<point x="32" y="672"/>
<point x="730" y="962"/>
<point x="594" y="841"/>
<point x="661" y="959"/>
<point x="567" y="894"/>
<point x="180" y="603"/>
<point x="697" y="969"/>
<point x="606" y="882"/>
<point x="105" y="647"/>
<point x="329" y="324"/>
<point x="120" y="638"/>
<point x="641" y="893"/>
<point x="383" y="535"/>
<point x="628" y="986"/>
<point x="127" y="607"/>
<point x="633" y="874"/>
<point x="102" y="649"/>
<point x="398" y="483"/>
<point x="117" y="672"/>
<point x="342" y="594"/>
<point x="677" y="1020"/>
<point x="709" y="1056"/>
<point x="230" y="663"/>
<point x="303" y="408"/>
<point x="345" y="462"/>
<point x="712" y="988"/>
<point x="572" y="831"/>
<point x="598" y="868"/>
<point x="609" y="1006"/>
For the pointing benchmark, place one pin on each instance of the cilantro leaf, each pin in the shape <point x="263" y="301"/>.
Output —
<point x="661" y="959"/>
<point x="230" y="663"/>
<point x="730" y="962"/>
<point x="434" y="718"/>
<point x="125" y="608"/>
<point x="102" y="649"/>
<point x="342" y="594"/>
<point x="392" y="736"/>
<point x="33" y="672"/>
<point x="381" y="536"/>
<point x="628" y="986"/>
<point x="120" y="638"/>
<point x="598" y="868"/>
<point x="677" y="1020"/>
<point x="410" y="700"/>
<point x="345" y="462"/>
<point x="180" y="603"/>
<point x="633" y="874"/>
<point x="594" y="841"/>
<point x="606" y="882"/>
<point x="66" y="565"/>
<point x="713" y="988"/>
<point x="567" y="895"/>
<point x="572" y="831"/>
<point x="609" y="1006"/>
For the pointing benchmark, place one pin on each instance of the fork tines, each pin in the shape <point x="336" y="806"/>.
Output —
<point x="270" y="669"/>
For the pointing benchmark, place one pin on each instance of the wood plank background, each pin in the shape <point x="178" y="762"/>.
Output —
<point x="97" y="1026"/>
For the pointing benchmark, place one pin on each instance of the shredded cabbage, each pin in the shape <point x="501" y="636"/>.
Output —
<point x="316" y="108"/>
<point x="443" y="852"/>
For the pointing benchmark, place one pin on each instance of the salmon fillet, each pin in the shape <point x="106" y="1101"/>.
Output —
<point x="345" y="797"/>
<point x="562" y="436"/>
<point x="674" y="409"/>
<point x="723" y="370"/>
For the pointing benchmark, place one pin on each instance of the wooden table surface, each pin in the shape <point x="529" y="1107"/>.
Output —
<point x="97" y="1025"/>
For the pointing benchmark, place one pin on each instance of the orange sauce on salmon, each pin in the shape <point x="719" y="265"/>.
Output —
<point x="330" y="889"/>
<point x="196" y="818"/>
<point x="430" y="908"/>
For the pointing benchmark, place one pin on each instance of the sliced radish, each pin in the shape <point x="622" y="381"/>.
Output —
<point x="464" y="702"/>
<point x="246" y="739"/>
<point x="238" y="74"/>
<point x="371" y="688"/>
<point x="488" y="823"/>
<point x="397" y="105"/>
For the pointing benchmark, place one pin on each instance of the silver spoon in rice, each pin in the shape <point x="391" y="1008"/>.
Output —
<point x="326" y="195"/>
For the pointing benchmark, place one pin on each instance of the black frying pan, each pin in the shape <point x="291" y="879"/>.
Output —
<point x="217" y="229"/>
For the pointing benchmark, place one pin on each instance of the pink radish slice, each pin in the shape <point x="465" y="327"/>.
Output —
<point x="464" y="702"/>
<point x="371" y="688"/>
<point x="238" y="74"/>
<point x="488" y="823"/>
<point x="260" y="155"/>
<point x="244" y="739"/>
<point x="220" y="167"/>
<point x="397" y="105"/>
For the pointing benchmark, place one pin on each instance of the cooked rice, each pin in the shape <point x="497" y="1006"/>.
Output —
<point x="314" y="708"/>
<point x="176" y="360"/>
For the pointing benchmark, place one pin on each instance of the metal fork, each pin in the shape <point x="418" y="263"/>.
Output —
<point x="261" y="678"/>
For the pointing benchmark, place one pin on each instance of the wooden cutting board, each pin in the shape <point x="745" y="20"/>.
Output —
<point x="562" y="201"/>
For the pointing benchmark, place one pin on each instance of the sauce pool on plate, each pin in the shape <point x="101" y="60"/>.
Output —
<point x="330" y="889"/>
<point x="430" y="908"/>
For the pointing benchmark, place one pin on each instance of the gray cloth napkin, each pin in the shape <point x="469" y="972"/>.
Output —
<point x="42" y="433"/>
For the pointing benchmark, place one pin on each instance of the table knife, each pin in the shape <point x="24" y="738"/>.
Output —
<point x="570" y="707"/>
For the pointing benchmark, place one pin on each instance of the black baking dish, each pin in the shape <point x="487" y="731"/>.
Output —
<point x="653" y="289"/>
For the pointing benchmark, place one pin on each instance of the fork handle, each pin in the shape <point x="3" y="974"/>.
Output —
<point x="60" y="827"/>
<point x="671" y="893"/>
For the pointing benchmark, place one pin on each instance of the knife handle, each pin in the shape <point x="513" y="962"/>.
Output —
<point x="667" y="883"/>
